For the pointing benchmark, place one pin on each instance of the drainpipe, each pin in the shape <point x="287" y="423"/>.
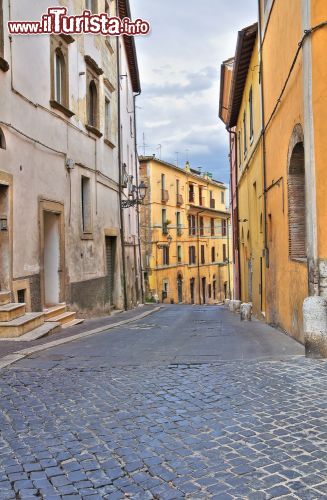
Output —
<point x="309" y="153"/>
<point x="122" y="232"/>
<point x="138" y="209"/>
<point x="264" y="170"/>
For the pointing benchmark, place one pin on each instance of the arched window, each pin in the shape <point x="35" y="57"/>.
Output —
<point x="2" y="140"/>
<point x="296" y="197"/>
<point x="93" y="99"/>
<point x="59" y="77"/>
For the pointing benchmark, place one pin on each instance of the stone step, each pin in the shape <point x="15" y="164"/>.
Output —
<point x="77" y="321"/>
<point x="5" y="297"/>
<point x="63" y="318"/>
<point x="11" y="311"/>
<point x="52" y="312"/>
<point x="43" y="330"/>
<point x="20" y="326"/>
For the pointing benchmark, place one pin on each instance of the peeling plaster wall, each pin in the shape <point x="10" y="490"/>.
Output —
<point x="39" y="173"/>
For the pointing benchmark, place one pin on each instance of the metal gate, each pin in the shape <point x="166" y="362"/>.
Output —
<point x="110" y="258"/>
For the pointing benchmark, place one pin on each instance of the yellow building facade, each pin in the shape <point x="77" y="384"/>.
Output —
<point x="185" y="235"/>
<point x="244" y="118"/>
<point x="276" y="118"/>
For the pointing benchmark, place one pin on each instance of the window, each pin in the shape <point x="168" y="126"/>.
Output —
<point x="2" y="140"/>
<point x="200" y="196"/>
<point x="92" y="96"/>
<point x="244" y="134"/>
<point x="179" y="253"/>
<point x="222" y="197"/>
<point x="165" y="255"/>
<point x="86" y="205"/>
<point x="192" y="257"/>
<point x="93" y="104"/>
<point x="212" y="226"/>
<point x="191" y="193"/>
<point x="91" y="5"/>
<point x="296" y="203"/>
<point x="209" y="291"/>
<point x="177" y="187"/>
<point x="203" y="258"/>
<point x="191" y="225"/>
<point x="224" y="253"/>
<point x="223" y="227"/>
<point x="163" y="182"/>
<point x="201" y="226"/>
<point x="164" y="221"/>
<point x="59" y="75"/>
<point x="251" y="113"/>
<point x="107" y="117"/>
<point x="212" y="201"/>
<point x="239" y="149"/>
<point x="178" y="224"/>
<point x="213" y="254"/>
<point x="4" y="66"/>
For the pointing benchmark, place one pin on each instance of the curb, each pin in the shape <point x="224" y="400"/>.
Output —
<point x="17" y="356"/>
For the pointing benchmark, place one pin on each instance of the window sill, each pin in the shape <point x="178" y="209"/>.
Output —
<point x="63" y="109"/>
<point x="93" y="130"/>
<point x="299" y="261"/>
<point x="111" y="145"/>
<point x="4" y="66"/>
<point x="87" y="236"/>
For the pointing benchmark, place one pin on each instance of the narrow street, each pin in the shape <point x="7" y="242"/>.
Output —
<point x="186" y="403"/>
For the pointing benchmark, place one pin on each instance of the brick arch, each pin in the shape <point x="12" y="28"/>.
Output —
<point x="296" y="195"/>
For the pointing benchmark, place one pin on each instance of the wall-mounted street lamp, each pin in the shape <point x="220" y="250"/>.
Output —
<point x="137" y="195"/>
<point x="169" y="241"/>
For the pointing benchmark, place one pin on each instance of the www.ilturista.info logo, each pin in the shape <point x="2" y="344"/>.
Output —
<point x="56" y="21"/>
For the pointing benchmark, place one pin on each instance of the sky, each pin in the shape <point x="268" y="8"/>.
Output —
<point x="179" y="63"/>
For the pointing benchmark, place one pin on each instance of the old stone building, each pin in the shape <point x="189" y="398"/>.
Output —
<point x="63" y="126"/>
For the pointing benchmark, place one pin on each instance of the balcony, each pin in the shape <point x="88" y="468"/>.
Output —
<point x="164" y="195"/>
<point x="212" y="203"/>
<point x="165" y="229"/>
<point x="179" y="200"/>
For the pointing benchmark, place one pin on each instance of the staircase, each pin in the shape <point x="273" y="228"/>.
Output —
<point x="15" y="321"/>
<point x="59" y="314"/>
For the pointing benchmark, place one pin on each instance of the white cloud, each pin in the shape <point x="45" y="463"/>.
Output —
<point x="180" y="68"/>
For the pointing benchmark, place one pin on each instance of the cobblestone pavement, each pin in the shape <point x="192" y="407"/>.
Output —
<point x="250" y="429"/>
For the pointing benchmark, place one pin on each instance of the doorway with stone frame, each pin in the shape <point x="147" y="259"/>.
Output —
<point x="6" y="232"/>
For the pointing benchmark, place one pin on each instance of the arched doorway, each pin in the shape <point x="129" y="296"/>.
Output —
<point x="180" y="287"/>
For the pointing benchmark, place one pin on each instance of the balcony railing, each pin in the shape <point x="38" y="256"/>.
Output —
<point x="180" y="200"/>
<point x="213" y="204"/>
<point x="164" y="195"/>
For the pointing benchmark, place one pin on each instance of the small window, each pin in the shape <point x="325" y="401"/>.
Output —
<point x="192" y="257"/>
<point x="191" y="193"/>
<point x="251" y="113"/>
<point x="223" y="227"/>
<point x="203" y="258"/>
<point x="213" y="254"/>
<point x="91" y="5"/>
<point x="165" y="258"/>
<point x="2" y="140"/>
<point x="21" y="296"/>
<point x="163" y="182"/>
<point x="177" y="187"/>
<point x="200" y="196"/>
<point x="107" y="115"/>
<point x="179" y="254"/>
<point x="93" y="104"/>
<point x="59" y="77"/>
<point x="164" y="221"/>
<point x="222" y="194"/>
<point x="244" y="134"/>
<point x="224" y="253"/>
<point x="212" y="227"/>
<point x="201" y="221"/>
<point x="191" y="225"/>
<point x="86" y="205"/>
